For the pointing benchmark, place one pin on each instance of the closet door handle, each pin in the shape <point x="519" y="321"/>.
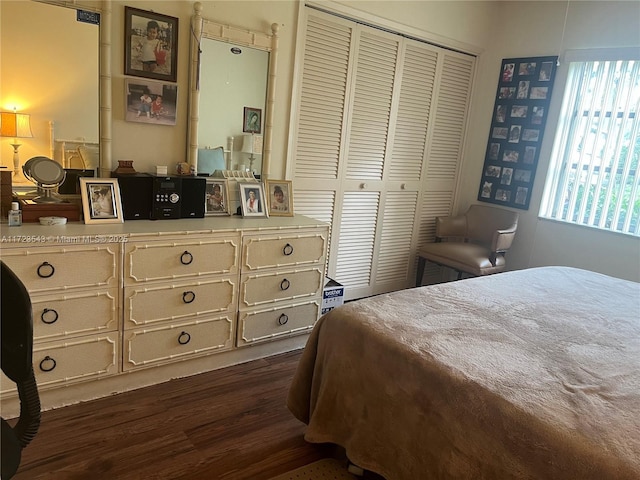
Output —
<point x="46" y="270"/>
<point x="47" y="364"/>
<point x="288" y="249"/>
<point x="184" y="338"/>
<point x="285" y="284"/>
<point x="283" y="319"/>
<point x="186" y="258"/>
<point x="53" y="320"/>
<point x="188" y="296"/>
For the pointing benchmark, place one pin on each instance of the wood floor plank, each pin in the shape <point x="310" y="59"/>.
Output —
<point x="231" y="423"/>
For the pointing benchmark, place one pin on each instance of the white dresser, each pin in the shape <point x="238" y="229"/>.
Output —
<point x="121" y="306"/>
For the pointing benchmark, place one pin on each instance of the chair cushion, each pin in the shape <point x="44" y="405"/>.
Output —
<point x="466" y="257"/>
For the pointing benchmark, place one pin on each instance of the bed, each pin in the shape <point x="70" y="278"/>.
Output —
<point x="530" y="374"/>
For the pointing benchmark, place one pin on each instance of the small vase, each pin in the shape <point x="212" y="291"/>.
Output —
<point x="125" y="166"/>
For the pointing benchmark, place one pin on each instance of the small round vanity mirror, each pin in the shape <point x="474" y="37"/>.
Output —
<point x="47" y="175"/>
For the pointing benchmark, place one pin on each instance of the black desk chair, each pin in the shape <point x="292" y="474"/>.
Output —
<point x="16" y="357"/>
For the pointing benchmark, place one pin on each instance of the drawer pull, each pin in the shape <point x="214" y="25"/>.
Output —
<point x="186" y="258"/>
<point x="288" y="249"/>
<point x="184" y="338"/>
<point x="188" y="296"/>
<point x="47" y="364"/>
<point x="283" y="319"/>
<point x="285" y="284"/>
<point x="46" y="270"/>
<point x="54" y="319"/>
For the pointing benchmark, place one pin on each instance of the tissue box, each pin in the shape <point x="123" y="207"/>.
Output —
<point x="332" y="295"/>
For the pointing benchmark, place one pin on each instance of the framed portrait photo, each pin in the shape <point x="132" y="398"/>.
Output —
<point x="150" y="45"/>
<point x="252" y="200"/>
<point x="101" y="200"/>
<point x="216" y="201"/>
<point x="279" y="198"/>
<point x="150" y="102"/>
<point x="252" y="120"/>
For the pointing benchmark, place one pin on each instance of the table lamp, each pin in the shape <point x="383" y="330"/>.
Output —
<point x="252" y="144"/>
<point x="16" y="125"/>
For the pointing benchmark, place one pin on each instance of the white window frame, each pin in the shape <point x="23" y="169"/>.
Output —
<point x="561" y="202"/>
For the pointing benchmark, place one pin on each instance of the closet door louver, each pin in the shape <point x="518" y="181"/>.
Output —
<point x="377" y="145"/>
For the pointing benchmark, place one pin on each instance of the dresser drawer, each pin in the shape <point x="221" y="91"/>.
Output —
<point x="45" y="269"/>
<point x="149" y="346"/>
<point x="258" y="289"/>
<point x="262" y="325"/>
<point x="260" y="252"/>
<point x="167" y="260"/>
<point x="77" y="313"/>
<point x="57" y="363"/>
<point x="152" y="304"/>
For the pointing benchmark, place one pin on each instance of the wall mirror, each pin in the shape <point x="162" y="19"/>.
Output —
<point x="61" y="81"/>
<point x="232" y="84"/>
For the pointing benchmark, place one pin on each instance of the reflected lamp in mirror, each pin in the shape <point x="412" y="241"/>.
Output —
<point x="252" y="144"/>
<point x="15" y="125"/>
<point x="210" y="160"/>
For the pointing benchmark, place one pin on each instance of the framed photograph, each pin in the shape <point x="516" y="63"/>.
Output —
<point x="252" y="120"/>
<point x="216" y="201"/>
<point x="252" y="200"/>
<point x="101" y="200"/>
<point x="518" y="119"/>
<point x="150" y="45"/>
<point x="279" y="198"/>
<point x="150" y="102"/>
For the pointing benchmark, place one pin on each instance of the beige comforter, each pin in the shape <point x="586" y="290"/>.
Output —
<point x="526" y="374"/>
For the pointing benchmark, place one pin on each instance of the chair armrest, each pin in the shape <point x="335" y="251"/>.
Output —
<point x="502" y="240"/>
<point x="455" y="226"/>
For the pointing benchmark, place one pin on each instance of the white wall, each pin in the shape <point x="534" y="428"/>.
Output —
<point x="524" y="29"/>
<point x="494" y="29"/>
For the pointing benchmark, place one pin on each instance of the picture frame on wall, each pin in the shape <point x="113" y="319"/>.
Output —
<point x="252" y="199"/>
<point x="279" y="198"/>
<point x="150" y="102"/>
<point x="150" y="45"/>
<point x="252" y="120"/>
<point x="517" y="127"/>
<point x="216" y="197"/>
<point x="101" y="202"/>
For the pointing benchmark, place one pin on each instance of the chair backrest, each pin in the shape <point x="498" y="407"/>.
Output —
<point x="16" y="362"/>
<point x="483" y="221"/>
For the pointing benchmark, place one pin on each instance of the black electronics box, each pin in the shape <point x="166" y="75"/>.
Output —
<point x="71" y="183"/>
<point x="193" y="197"/>
<point x="135" y="193"/>
<point x="166" y="197"/>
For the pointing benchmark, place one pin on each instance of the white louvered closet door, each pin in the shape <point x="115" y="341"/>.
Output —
<point x="367" y="125"/>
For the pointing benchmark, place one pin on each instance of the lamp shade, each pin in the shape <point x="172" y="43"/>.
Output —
<point x="252" y="144"/>
<point x="16" y="125"/>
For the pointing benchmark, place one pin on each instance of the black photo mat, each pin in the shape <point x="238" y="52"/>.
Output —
<point x="517" y="126"/>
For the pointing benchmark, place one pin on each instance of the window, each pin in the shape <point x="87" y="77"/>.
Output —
<point x="593" y="178"/>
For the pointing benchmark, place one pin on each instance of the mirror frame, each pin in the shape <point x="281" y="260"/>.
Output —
<point x="103" y="7"/>
<point x="205" y="28"/>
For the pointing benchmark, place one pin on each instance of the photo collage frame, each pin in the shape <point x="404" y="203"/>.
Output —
<point x="517" y="126"/>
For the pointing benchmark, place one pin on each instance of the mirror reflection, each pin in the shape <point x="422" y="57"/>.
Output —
<point x="233" y="89"/>
<point x="52" y="77"/>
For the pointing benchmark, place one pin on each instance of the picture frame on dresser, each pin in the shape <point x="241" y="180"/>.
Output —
<point x="101" y="202"/>
<point x="252" y="199"/>
<point x="216" y="201"/>
<point x="279" y="198"/>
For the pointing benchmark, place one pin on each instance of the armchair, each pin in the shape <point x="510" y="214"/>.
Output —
<point x="473" y="243"/>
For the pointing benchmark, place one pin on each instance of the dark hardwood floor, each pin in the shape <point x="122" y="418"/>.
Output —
<point x="229" y="424"/>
